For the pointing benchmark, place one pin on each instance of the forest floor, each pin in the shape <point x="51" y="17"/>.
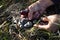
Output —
<point x="24" y="34"/>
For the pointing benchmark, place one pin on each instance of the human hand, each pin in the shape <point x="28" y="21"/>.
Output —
<point x="51" y="26"/>
<point x="38" y="8"/>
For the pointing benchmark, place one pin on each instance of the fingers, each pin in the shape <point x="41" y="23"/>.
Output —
<point x="44" y="26"/>
<point x="30" y="15"/>
<point x="41" y="26"/>
<point x="32" y="8"/>
<point x="38" y="25"/>
<point x="45" y="19"/>
<point x="35" y="25"/>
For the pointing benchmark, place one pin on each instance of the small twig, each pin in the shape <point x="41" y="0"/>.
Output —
<point x="3" y="24"/>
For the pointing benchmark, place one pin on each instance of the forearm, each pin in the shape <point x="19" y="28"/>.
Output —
<point x="43" y="4"/>
<point x="46" y="2"/>
<point x="54" y="1"/>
